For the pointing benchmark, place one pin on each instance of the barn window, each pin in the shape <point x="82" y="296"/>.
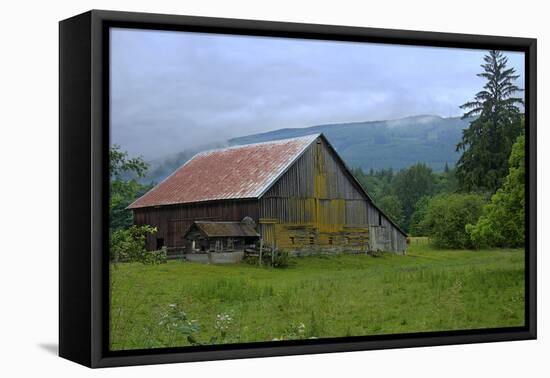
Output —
<point x="292" y="241"/>
<point x="379" y="219"/>
<point x="311" y="240"/>
<point x="330" y="240"/>
<point x="230" y="244"/>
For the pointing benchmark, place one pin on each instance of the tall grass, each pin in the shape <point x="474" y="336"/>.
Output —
<point x="322" y="296"/>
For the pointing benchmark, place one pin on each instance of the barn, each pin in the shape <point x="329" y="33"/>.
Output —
<point x="298" y="192"/>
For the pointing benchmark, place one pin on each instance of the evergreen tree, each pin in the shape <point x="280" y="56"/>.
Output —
<point x="411" y="184"/>
<point x="487" y="143"/>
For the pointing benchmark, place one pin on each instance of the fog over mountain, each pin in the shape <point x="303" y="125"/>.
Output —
<point x="374" y="145"/>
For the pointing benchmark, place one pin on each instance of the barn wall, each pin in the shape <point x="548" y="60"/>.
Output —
<point x="315" y="204"/>
<point x="172" y="222"/>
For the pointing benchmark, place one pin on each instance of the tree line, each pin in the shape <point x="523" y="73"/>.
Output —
<point x="480" y="202"/>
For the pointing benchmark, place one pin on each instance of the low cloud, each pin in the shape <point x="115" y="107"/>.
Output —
<point x="172" y="90"/>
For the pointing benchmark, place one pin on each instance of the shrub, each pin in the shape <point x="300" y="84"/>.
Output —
<point x="447" y="216"/>
<point x="154" y="257"/>
<point x="128" y="244"/>
<point x="282" y="259"/>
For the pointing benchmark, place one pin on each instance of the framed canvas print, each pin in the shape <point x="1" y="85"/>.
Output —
<point x="234" y="188"/>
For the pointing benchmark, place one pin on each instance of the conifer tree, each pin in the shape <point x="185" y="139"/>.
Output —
<point x="487" y="142"/>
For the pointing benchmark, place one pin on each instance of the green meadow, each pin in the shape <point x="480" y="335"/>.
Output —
<point x="182" y="303"/>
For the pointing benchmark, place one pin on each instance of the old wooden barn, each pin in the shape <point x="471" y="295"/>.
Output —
<point x="298" y="191"/>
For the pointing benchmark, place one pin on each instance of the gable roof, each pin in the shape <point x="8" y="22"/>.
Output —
<point x="237" y="172"/>
<point x="225" y="229"/>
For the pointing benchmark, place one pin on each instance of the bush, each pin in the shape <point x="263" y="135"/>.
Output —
<point x="154" y="257"/>
<point x="282" y="259"/>
<point x="447" y="216"/>
<point x="128" y="244"/>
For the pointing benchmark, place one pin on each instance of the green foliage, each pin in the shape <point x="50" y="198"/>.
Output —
<point x="176" y="321"/>
<point x="446" y="182"/>
<point x="392" y="207"/>
<point x="446" y="218"/>
<point x="399" y="195"/>
<point x="411" y="184"/>
<point x="334" y="296"/>
<point x="282" y="259"/>
<point x="128" y="245"/>
<point x="377" y="183"/>
<point x="502" y="223"/>
<point x="120" y="164"/>
<point x="125" y="188"/>
<point x="416" y="225"/>
<point x="487" y="142"/>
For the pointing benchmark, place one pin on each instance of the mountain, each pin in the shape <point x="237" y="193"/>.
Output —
<point x="393" y="144"/>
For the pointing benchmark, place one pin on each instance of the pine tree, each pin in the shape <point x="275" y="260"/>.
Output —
<point x="487" y="143"/>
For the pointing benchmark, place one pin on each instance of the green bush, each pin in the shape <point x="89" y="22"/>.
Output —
<point x="447" y="216"/>
<point x="128" y="244"/>
<point x="282" y="259"/>
<point x="154" y="257"/>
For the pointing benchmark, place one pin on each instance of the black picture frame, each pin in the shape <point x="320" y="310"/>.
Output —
<point x="83" y="196"/>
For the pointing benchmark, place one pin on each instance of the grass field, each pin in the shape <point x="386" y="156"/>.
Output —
<point x="323" y="296"/>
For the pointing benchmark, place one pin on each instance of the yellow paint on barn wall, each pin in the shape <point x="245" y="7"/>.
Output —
<point x="324" y="219"/>
<point x="326" y="226"/>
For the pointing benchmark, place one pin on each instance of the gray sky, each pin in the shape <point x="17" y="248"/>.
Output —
<point x="173" y="90"/>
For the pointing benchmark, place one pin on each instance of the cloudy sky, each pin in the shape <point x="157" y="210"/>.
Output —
<point x="174" y="90"/>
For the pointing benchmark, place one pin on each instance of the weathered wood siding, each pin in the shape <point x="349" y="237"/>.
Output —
<point x="317" y="204"/>
<point x="172" y="222"/>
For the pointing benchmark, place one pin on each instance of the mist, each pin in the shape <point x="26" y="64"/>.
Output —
<point x="172" y="92"/>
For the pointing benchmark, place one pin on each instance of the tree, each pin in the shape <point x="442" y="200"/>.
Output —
<point x="392" y="207"/>
<point x="447" y="216"/>
<point x="416" y="225"/>
<point x="125" y="187"/>
<point x="502" y="223"/>
<point x="487" y="142"/>
<point x="411" y="184"/>
<point x="377" y="183"/>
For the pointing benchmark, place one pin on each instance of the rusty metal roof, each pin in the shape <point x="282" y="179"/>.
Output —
<point x="237" y="172"/>
<point x="226" y="229"/>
